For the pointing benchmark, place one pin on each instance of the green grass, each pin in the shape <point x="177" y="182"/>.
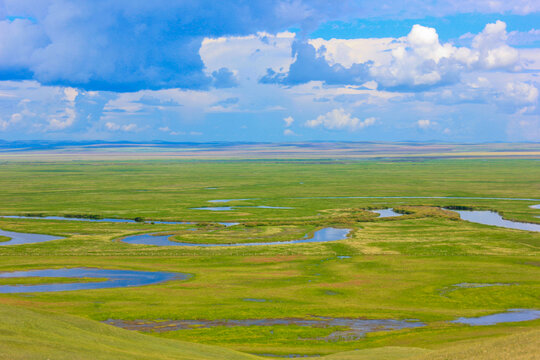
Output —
<point x="4" y="238"/>
<point x="398" y="267"/>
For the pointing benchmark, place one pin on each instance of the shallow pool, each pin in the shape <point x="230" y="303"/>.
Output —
<point x="20" y="238"/>
<point x="383" y="213"/>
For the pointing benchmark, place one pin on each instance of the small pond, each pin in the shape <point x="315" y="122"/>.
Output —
<point x="383" y="213"/>
<point x="355" y="328"/>
<point x="20" y="238"/>
<point x="512" y="315"/>
<point x="494" y="219"/>
<point x="323" y="235"/>
<point x="115" y="279"/>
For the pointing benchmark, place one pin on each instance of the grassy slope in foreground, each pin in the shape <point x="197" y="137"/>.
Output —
<point x="28" y="334"/>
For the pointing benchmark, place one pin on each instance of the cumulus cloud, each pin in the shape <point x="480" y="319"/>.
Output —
<point x="490" y="48"/>
<point x="418" y="61"/>
<point x="339" y="119"/>
<point x="422" y="61"/>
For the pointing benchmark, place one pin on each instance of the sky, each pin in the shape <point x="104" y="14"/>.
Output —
<point x="270" y="70"/>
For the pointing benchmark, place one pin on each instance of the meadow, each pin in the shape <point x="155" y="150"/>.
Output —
<point x="401" y="268"/>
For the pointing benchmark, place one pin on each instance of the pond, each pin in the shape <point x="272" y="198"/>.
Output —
<point x="494" y="219"/>
<point x="512" y="315"/>
<point x="355" y="328"/>
<point x="20" y="238"/>
<point x="114" y="279"/>
<point x="323" y="235"/>
<point x="383" y="213"/>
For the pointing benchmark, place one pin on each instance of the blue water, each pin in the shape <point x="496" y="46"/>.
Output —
<point x="417" y="197"/>
<point x="95" y="220"/>
<point x="214" y="208"/>
<point x="512" y="315"/>
<point x="386" y="213"/>
<point x="494" y="219"/>
<point x="115" y="279"/>
<point x="231" y="208"/>
<point x="228" y="224"/>
<point x="323" y="235"/>
<point x="19" y="238"/>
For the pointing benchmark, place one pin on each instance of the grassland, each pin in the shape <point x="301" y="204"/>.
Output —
<point x="395" y="268"/>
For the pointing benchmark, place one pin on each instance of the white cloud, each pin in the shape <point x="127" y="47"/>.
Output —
<point x="14" y="119"/>
<point x="518" y="97"/>
<point x="424" y="124"/>
<point x="288" y="132"/>
<point x="491" y="48"/>
<point x="522" y="92"/>
<point x="420" y="59"/>
<point x="63" y="121"/>
<point x="249" y="55"/>
<point x="117" y="127"/>
<point x="339" y="119"/>
<point x="288" y="121"/>
<point x="67" y="118"/>
<point x="70" y="94"/>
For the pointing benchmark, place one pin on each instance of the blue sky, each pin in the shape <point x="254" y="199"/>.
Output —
<point x="261" y="70"/>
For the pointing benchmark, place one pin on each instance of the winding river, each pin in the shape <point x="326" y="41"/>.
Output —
<point x="114" y="279"/>
<point x="494" y="219"/>
<point x="323" y="235"/>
